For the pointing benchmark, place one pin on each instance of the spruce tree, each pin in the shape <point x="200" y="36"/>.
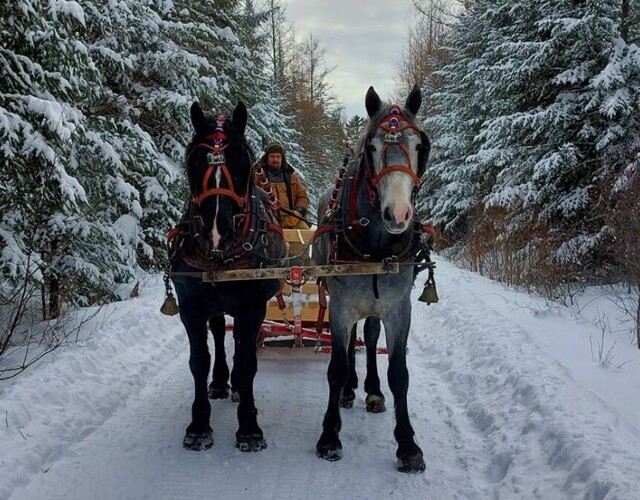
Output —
<point x="536" y="118"/>
<point x="47" y="221"/>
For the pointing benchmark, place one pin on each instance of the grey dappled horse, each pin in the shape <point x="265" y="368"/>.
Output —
<point x="372" y="220"/>
<point x="228" y="224"/>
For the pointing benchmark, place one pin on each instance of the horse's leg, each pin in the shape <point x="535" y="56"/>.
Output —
<point x="348" y="393"/>
<point x="199" y="435"/>
<point x="249" y="436"/>
<point x="375" y="398"/>
<point x="219" y="386"/>
<point x="409" y="454"/>
<point x="235" y="396"/>
<point x="329" y="446"/>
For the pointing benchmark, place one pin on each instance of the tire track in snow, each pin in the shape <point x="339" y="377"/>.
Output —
<point x="137" y="453"/>
<point x="483" y="423"/>
<point x="519" y="411"/>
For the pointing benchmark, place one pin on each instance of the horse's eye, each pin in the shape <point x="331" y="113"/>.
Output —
<point x="372" y="148"/>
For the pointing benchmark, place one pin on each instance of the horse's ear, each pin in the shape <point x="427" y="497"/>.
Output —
<point x="372" y="102"/>
<point x="414" y="100"/>
<point x="197" y="117"/>
<point x="239" y="117"/>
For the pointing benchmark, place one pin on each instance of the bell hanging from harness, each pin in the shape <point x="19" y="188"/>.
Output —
<point x="169" y="306"/>
<point x="429" y="293"/>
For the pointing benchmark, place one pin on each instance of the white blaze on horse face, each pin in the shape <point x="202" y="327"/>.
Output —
<point x="397" y="202"/>
<point x="215" y="233"/>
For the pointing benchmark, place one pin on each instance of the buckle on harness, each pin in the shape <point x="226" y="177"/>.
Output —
<point x="215" y="255"/>
<point x="387" y="262"/>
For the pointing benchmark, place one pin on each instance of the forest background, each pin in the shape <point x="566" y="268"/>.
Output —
<point x="533" y="108"/>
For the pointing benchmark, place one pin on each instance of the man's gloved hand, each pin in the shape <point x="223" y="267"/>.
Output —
<point x="293" y="218"/>
<point x="289" y="222"/>
<point x="427" y="240"/>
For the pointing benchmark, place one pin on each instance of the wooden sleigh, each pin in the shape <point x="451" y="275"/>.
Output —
<point x="298" y="316"/>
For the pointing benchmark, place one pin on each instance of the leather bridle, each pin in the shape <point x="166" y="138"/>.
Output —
<point x="391" y="125"/>
<point x="216" y="161"/>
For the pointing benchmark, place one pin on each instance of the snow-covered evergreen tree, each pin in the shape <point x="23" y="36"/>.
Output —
<point x="539" y="121"/>
<point x="94" y="119"/>
<point x="135" y="185"/>
<point x="210" y="53"/>
<point x="48" y="230"/>
<point x="457" y="105"/>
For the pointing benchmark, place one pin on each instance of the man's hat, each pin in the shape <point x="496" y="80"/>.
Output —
<point x="274" y="147"/>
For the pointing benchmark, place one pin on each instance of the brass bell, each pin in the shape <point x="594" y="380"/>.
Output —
<point x="169" y="306"/>
<point x="429" y="293"/>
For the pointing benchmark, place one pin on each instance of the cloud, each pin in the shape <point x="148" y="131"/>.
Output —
<point x="363" y="39"/>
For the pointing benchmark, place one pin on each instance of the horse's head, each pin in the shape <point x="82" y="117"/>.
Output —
<point x="395" y="151"/>
<point x="219" y="167"/>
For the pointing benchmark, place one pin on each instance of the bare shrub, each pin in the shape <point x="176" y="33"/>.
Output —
<point x="600" y="352"/>
<point x="497" y="247"/>
<point x="25" y="337"/>
<point x="624" y="218"/>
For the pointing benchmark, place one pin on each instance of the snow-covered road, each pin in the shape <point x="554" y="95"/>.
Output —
<point x="504" y="397"/>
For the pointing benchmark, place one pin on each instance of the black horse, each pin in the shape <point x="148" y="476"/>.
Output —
<point x="371" y="219"/>
<point x="219" y="387"/>
<point x="228" y="224"/>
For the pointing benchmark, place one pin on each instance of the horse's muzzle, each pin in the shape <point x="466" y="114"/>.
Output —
<point x="394" y="228"/>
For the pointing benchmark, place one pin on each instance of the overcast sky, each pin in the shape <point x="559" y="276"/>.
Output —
<point x="363" y="39"/>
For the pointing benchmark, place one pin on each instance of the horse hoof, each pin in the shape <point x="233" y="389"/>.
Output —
<point x="251" y="443"/>
<point x="198" y="442"/>
<point x="235" y="396"/>
<point x="375" y="404"/>
<point x="347" y="398"/>
<point x="346" y="402"/>
<point x="329" y="453"/>
<point x="413" y="464"/>
<point x="218" y="392"/>
<point x="330" y="450"/>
